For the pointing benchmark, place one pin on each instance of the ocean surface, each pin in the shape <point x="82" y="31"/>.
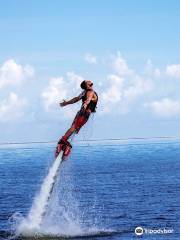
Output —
<point x="103" y="191"/>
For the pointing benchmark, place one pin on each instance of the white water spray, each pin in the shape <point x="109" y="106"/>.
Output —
<point x="33" y="221"/>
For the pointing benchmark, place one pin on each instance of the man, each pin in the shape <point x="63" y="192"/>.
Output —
<point x="89" y="101"/>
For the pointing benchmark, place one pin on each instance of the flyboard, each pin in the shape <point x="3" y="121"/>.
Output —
<point x="40" y="204"/>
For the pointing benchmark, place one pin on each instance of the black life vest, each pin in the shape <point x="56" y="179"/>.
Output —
<point x="93" y="103"/>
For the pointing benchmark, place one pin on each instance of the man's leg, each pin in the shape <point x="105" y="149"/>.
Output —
<point x="63" y="141"/>
<point x="69" y="132"/>
<point x="78" y="122"/>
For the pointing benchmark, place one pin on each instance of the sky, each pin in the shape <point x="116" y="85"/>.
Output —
<point x="128" y="48"/>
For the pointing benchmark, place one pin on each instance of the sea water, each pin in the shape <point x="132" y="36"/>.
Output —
<point x="104" y="190"/>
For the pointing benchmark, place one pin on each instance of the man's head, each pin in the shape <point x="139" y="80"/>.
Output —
<point x="86" y="85"/>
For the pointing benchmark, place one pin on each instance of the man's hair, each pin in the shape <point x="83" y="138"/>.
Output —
<point x="83" y="85"/>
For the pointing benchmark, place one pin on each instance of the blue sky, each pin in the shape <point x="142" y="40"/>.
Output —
<point x="130" y="49"/>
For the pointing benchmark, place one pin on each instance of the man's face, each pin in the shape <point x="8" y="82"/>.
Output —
<point x="89" y="84"/>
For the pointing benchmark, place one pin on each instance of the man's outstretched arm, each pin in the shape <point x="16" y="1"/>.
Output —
<point x="71" y="101"/>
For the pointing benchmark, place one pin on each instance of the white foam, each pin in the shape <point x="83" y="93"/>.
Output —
<point x="33" y="221"/>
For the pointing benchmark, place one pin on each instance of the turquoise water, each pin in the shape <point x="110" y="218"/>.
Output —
<point x="103" y="191"/>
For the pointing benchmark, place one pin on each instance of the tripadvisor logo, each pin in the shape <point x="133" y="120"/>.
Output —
<point x="139" y="231"/>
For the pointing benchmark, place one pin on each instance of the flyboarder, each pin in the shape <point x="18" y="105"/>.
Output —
<point x="89" y="101"/>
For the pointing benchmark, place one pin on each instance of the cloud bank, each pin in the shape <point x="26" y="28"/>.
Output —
<point x="165" y="107"/>
<point x="13" y="75"/>
<point x="12" y="107"/>
<point x="121" y="90"/>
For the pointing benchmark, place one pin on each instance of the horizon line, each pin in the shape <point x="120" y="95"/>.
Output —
<point x="93" y="140"/>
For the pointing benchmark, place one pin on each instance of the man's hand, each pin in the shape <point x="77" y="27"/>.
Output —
<point x="63" y="103"/>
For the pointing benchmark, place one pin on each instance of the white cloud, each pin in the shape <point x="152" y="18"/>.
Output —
<point x="151" y="71"/>
<point x="59" y="89"/>
<point x="28" y="71"/>
<point x="56" y="90"/>
<point x="13" y="74"/>
<point x="123" y="88"/>
<point x="120" y="66"/>
<point x="90" y="58"/>
<point x="173" y="70"/>
<point x="138" y="87"/>
<point x="165" y="107"/>
<point x="12" y="107"/>
<point x="113" y="93"/>
<point x="75" y="79"/>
